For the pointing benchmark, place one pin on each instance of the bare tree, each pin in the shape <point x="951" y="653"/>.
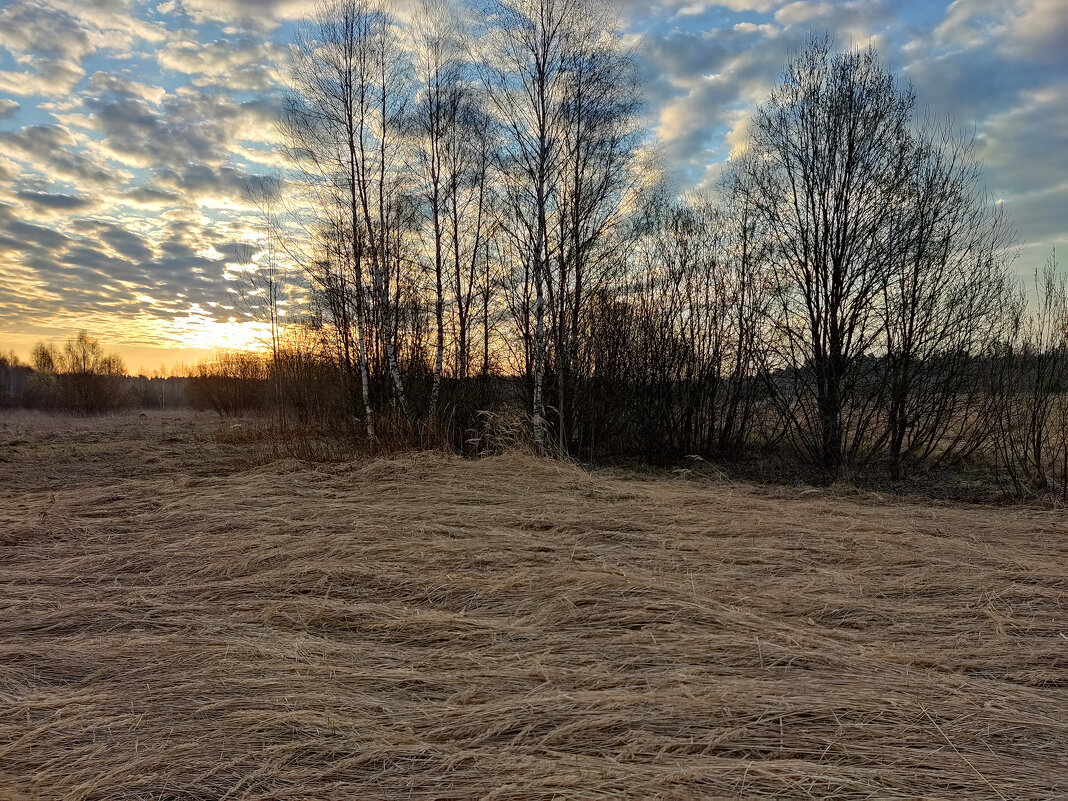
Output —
<point x="565" y="92"/>
<point x="469" y="157"/>
<point x="343" y="123"/>
<point x="827" y="164"/>
<point x="79" y="377"/>
<point x="944" y="301"/>
<point x="262" y="290"/>
<point x="383" y="99"/>
<point x="1030" y="446"/>
<point x="437" y="68"/>
<point x="455" y="149"/>
<point x="599" y="133"/>
<point x="698" y="290"/>
<point x="525" y="69"/>
<point x="321" y="127"/>
<point x="336" y="273"/>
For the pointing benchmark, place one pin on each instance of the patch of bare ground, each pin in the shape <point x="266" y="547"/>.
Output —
<point x="176" y="623"/>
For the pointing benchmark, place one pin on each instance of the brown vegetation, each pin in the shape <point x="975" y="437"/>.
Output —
<point x="184" y="617"/>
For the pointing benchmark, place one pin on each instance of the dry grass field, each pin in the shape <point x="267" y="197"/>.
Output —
<point x="183" y="617"/>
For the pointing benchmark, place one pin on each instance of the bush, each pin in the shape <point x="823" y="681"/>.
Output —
<point x="15" y="380"/>
<point x="231" y="384"/>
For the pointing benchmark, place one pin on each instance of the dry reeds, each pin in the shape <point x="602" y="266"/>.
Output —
<point x="429" y="627"/>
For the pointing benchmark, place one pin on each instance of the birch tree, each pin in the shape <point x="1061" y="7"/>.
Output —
<point x="525" y="70"/>
<point x="342" y="121"/>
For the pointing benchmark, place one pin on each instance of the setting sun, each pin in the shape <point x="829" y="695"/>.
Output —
<point x="200" y="330"/>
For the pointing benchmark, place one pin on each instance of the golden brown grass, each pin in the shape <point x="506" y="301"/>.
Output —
<point x="180" y="619"/>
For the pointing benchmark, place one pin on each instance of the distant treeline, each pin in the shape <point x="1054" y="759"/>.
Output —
<point x="80" y="378"/>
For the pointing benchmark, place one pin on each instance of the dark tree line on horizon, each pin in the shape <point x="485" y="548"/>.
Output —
<point x="80" y="377"/>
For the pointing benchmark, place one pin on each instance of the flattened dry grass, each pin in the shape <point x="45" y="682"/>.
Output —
<point x="426" y="627"/>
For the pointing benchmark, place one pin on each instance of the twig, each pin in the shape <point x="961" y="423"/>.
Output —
<point x="966" y="760"/>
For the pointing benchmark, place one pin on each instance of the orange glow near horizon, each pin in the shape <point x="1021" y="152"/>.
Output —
<point x="148" y="344"/>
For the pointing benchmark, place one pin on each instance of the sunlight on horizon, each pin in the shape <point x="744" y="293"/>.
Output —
<point x="201" y="330"/>
<point x="147" y="343"/>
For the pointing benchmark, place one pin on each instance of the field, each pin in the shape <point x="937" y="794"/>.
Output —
<point x="183" y="616"/>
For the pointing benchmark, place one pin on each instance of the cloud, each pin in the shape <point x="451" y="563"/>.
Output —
<point x="55" y="202"/>
<point x="50" y="40"/>
<point x="1025" y="155"/>
<point x="1028" y="30"/>
<point x="52" y="151"/>
<point x="1040" y="32"/>
<point x="707" y="86"/>
<point x="257" y="15"/>
<point x="123" y="84"/>
<point x="41" y="76"/>
<point x="85" y="238"/>
<point x="113" y="24"/>
<point x="138" y="135"/>
<point x="997" y="69"/>
<point x="800" y="12"/>
<point x="238" y="64"/>
<point x="202" y="184"/>
<point x="683" y="57"/>
<point x="690" y="8"/>
<point x="28" y="234"/>
<point x="149" y="197"/>
<point x="97" y="268"/>
<point x="45" y="30"/>
<point x="48" y="45"/>
<point x="125" y="243"/>
<point x="189" y="125"/>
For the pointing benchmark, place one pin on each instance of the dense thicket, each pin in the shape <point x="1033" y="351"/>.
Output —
<point x="488" y="233"/>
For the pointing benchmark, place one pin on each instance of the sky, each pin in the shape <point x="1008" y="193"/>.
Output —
<point x="128" y="130"/>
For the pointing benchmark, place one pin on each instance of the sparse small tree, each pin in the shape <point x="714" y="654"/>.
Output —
<point x="1031" y="386"/>
<point x="944" y="302"/>
<point x="262" y="288"/>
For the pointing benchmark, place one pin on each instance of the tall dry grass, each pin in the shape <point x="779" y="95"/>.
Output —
<point x="212" y="626"/>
